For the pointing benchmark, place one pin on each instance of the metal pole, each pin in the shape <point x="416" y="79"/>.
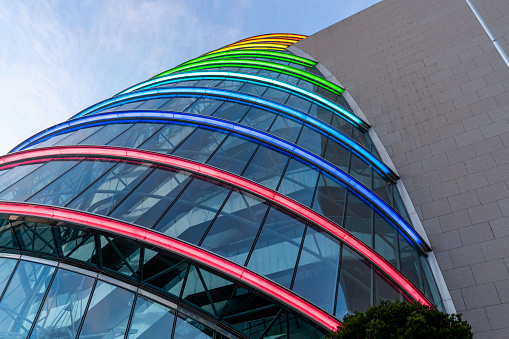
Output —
<point x="495" y="42"/>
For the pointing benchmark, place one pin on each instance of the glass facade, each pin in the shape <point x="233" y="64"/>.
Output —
<point x="260" y="115"/>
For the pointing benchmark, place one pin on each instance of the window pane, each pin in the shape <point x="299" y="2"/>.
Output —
<point x="33" y="236"/>
<point x="266" y="167"/>
<point x="79" y="135"/>
<point x="36" y="180"/>
<point x="208" y="83"/>
<point x="151" y="199"/>
<point x="312" y="140"/>
<point x="6" y="268"/>
<point x="167" y="138"/>
<point x="330" y="198"/>
<point x="275" y="252"/>
<point x="337" y="155"/>
<point x="164" y="271"/>
<point x="23" y="297"/>
<point x="386" y="240"/>
<point x="108" y="312"/>
<point x="233" y="154"/>
<point x="150" y="320"/>
<point x="110" y="189"/>
<point x="385" y="289"/>
<point x="286" y="128"/>
<point x="152" y="104"/>
<point x="259" y="118"/>
<point x="231" y="85"/>
<point x="72" y="183"/>
<point x="120" y="255"/>
<point x="410" y="264"/>
<point x="317" y="272"/>
<point x="178" y="104"/>
<point x="290" y="325"/>
<point x="200" y="145"/>
<point x="358" y="221"/>
<point x="135" y="135"/>
<point x="341" y="125"/>
<point x="320" y="113"/>
<point x="299" y="103"/>
<point x="232" y="233"/>
<point x="191" y="214"/>
<point x="64" y="306"/>
<point x="231" y="111"/>
<point x="106" y="134"/>
<point x="190" y="328"/>
<point x="253" y="89"/>
<point x="204" y="106"/>
<point x="299" y="182"/>
<point x="50" y="141"/>
<point x="14" y="174"/>
<point x="276" y="95"/>
<point x="76" y="244"/>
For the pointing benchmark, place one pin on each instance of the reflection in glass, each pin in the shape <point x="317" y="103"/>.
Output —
<point x="150" y="320"/>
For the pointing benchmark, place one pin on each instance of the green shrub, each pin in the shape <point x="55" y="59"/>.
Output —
<point x="399" y="319"/>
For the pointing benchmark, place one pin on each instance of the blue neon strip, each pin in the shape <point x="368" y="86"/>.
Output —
<point x="338" y="109"/>
<point x="158" y="92"/>
<point x="255" y="134"/>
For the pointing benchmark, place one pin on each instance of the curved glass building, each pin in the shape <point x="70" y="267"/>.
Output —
<point x="235" y="195"/>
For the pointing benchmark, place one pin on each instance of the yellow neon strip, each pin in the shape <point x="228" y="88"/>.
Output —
<point x="280" y="41"/>
<point x="253" y="46"/>
<point x="297" y="36"/>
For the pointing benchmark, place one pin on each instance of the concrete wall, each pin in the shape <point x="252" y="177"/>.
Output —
<point x="436" y="91"/>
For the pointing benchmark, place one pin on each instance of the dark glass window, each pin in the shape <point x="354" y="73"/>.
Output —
<point x="277" y="95"/>
<point x="136" y="135"/>
<point x="128" y="106"/>
<point x="359" y="218"/>
<point x="410" y="264"/>
<point x="330" y="198"/>
<point x="108" y="312"/>
<point x="23" y="297"/>
<point x="341" y="125"/>
<point x="105" y="135"/>
<point x="338" y="155"/>
<point x="193" y="211"/>
<point x="6" y="268"/>
<point x="231" y="85"/>
<point x="76" y="244"/>
<point x="312" y="140"/>
<point x="204" y="106"/>
<point x="152" y="104"/>
<point x="208" y="83"/>
<point x="320" y="113"/>
<point x="106" y="193"/>
<point x="277" y="247"/>
<point x="150" y="320"/>
<point x="385" y="289"/>
<point x="164" y="271"/>
<point x="299" y="103"/>
<point x="253" y="89"/>
<point x="316" y="276"/>
<point x="10" y="176"/>
<point x="120" y="255"/>
<point x="286" y="128"/>
<point x="33" y="236"/>
<point x="200" y="145"/>
<point x="63" y="309"/>
<point x="386" y="240"/>
<point x="258" y="118"/>
<point x="178" y="104"/>
<point x="232" y="233"/>
<point x="74" y="138"/>
<point x="289" y="325"/>
<point x="167" y="138"/>
<point x="266" y="167"/>
<point x="189" y="328"/>
<point x="361" y="171"/>
<point x="231" y="111"/>
<point x="299" y="182"/>
<point x="151" y="199"/>
<point x="233" y="154"/>
<point x="50" y="141"/>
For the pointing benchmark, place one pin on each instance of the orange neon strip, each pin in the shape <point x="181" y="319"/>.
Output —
<point x="252" y="46"/>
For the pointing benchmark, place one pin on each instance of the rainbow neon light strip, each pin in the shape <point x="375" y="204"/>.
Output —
<point x="216" y="174"/>
<point x="345" y="114"/>
<point x="296" y="37"/>
<point x="277" y="47"/>
<point x="196" y="254"/>
<point x="271" y="66"/>
<point x="256" y="54"/>
<point x="315" y="160"/>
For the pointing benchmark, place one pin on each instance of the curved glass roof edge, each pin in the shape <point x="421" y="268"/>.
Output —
<point x="189" y="251"/>
<point x="326" y="84"/>
<point x="246" y="53"/>
<point x="231" y="179"/>
<point x="250" y="132"/>
<point x="164" y="299"/>
<point x="252" y="100"/>
<point x="246" y="76"/>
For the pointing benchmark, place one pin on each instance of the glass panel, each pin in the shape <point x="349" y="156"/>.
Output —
<point x="189" y="328"/>
<point x="275" y="253"/>
<point x="50" y="141"/>
<point x="266" y="167"/>
<point x="231" y="85"/>
<point x="108" y="312"/>
<point x="16" y="173"/>
<point x="207" y="291"/>
<point x="204" y="106"/>
<point x="233" y="154"/>
<point x="7" y="238"/>
<point x="249" y="312"/>
<point x="259" y="118"/>
<point x="430" y="287"/>
<point x="150" y="200"/>
<point x="385" y="289"/>
<point x="36" y="180"/>
<point x="383" y="188"/>
<point x="79" y="135"/>
<point x="341" y="125"/>
<point x="286" y="128"/>
<point x="312" y="140"/>
<point x="109" y="190"/>
<point x="178" y="104"/>
<point x="330" y="198"/>
<point x="231" y="111"/>
<point x="321" y="113"/>
<point x="167" y="138"/>
<point x="410" y="264"/>
<point x="6" y="268"/>
<point x="23" y="297"/>
<point x="164" y="272"/>
<point x="361" y="138"/>
<point x="277" y="95"/>
<point x="317" y="272"/>
<point x="253" y="89"/>
<point x="192" y="213"/>
<point x="72" y="183"/>
<point x="208" y="83"/>
<point x="358" y="221"/>
<point x="121" y="256"/>
<point x="299" y="103"/>
<point x="232" y="233"/>
<point x="76" y="244"/>
<point x="338" y="155"/>
<point x="135" y="135"/>
<point x="299" y="182"/>
<point x="61" y="313"/>
<point x="128" y="106"/>
<point x="354" y="290"/>
<point x="33" y="236"/>
<point x="400" y="207"/>
<point x="200" y="145"/>
<point x="153" y="104"/>
<point x="150" y="320"/>
<point x="289" y="325"/>
<point x="386" y="240"/>
<point x="106" y="134"/>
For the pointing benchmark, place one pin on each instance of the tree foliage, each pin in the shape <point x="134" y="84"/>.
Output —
<point x="399" y="319"/>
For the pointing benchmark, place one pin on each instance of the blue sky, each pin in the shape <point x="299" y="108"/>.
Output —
<point x="59" y="57"/>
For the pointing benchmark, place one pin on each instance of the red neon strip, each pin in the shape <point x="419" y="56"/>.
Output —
<point x="245" y="184"/>
<point x="176" y="246"/>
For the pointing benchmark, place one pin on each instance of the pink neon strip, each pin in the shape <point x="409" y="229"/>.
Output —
<point x="176" y="246"/>
<point x="250" y="186"/>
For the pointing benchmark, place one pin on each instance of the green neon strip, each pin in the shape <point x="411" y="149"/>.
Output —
<point x="270" y="66"/>
<point x="255" y="54"/>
